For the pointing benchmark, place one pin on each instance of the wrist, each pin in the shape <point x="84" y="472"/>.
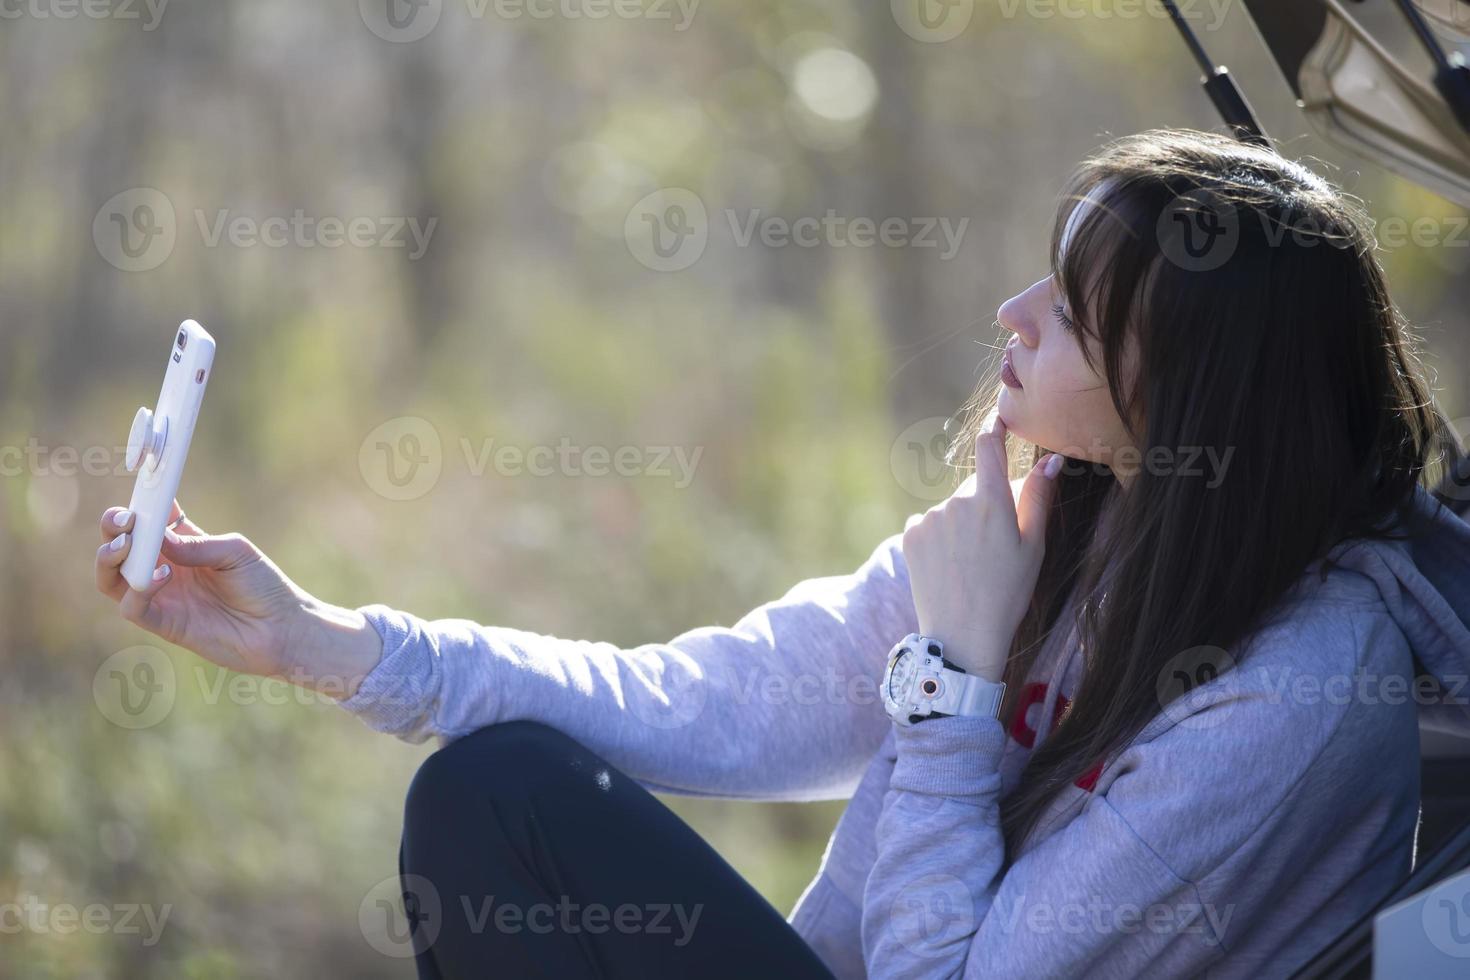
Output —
<point x="331" y="649"/>
<point x="973" y="651"/>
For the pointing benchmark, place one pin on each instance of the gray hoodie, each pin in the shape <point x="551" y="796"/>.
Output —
<point x="1245" y="827"/>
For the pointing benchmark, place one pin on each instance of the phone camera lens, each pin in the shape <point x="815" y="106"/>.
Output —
<point x="183" y="339"/>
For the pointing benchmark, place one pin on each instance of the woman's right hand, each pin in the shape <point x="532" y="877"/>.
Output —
<point x="221" y="597"/>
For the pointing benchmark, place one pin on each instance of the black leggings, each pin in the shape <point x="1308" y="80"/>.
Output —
<point x="525" y="854"/>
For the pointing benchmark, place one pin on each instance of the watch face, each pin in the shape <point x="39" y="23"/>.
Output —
<point x="902" y="676"/>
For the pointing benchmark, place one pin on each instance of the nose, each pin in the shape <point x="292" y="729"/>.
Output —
<point x="1018" y="314"/>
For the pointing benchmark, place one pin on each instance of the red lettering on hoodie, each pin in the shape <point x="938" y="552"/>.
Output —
<point x="1035" y="693"/>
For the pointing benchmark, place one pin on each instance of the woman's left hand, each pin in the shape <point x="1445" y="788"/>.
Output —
<point x="973" y="558"/>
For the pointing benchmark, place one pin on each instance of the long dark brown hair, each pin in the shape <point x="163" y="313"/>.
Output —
<point x="1263" y="327"/>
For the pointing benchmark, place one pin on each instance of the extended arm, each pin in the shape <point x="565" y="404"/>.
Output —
<point x="783" y="705"/>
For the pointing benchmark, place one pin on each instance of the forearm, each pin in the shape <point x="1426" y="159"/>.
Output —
<point x="716" y="711"/>
<point x="781" y="705"/>
<point x="332" y="649"/>
<point x="940" y="848"/>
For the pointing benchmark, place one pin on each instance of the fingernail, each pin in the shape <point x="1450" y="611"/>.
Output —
<point x="121" y="517"/>
<point x="1052" y="466"/>
<point x="118" y="542"/>
<point x="160" y="573"/>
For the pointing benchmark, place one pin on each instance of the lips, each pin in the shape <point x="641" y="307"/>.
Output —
<point x="1008" y="372"/>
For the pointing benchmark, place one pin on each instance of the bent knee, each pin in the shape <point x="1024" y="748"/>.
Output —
<point x="491" y="762"/>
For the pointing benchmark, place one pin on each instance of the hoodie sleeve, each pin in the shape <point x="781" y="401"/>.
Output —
<point x="783" y="705"/>
<point x="1162" y="857"/>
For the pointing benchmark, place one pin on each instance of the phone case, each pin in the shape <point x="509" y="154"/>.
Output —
<point x="159" y="444"/>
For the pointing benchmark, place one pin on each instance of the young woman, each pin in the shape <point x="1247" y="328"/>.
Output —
<point x="1208" y="620"/>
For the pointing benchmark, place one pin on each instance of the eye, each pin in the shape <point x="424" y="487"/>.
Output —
<point x="1062" y="317"/>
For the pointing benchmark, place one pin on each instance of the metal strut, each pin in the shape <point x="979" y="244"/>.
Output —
<point x="1219" y="85"/>
<point x="1451" y="74"/>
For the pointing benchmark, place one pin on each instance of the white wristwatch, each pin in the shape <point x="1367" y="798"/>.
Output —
<point x="919" y="683"/>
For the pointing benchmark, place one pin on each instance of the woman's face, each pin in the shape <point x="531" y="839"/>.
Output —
<point x="1062" y="404"/>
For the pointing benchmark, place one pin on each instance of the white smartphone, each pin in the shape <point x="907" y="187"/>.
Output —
<point x="159" y="444"/>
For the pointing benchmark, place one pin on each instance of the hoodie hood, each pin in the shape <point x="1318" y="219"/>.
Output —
<point x="1425" y="583"/>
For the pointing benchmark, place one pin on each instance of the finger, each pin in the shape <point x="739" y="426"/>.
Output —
<point x="991" y="477"/>
<point x="185" y="526"/>
<point x="111" y="527"/>
<point x="1037" y="493"/>
<point x="998" y="431"/>
<point x="110" y="556"/>
<point x="138" y="607"/>
<point x="991" y="441"/>
<point x="207" y="550"/>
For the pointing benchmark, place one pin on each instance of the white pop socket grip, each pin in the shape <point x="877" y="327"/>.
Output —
<point x="147" y="438"/>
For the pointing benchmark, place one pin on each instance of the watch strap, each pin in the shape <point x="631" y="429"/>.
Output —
<point x="968" y="695"/>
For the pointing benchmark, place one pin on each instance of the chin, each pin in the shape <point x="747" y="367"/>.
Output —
<point x="1009" y="412"/>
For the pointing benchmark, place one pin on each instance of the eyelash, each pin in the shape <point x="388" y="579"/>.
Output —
<point x="1061" y="315"/>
